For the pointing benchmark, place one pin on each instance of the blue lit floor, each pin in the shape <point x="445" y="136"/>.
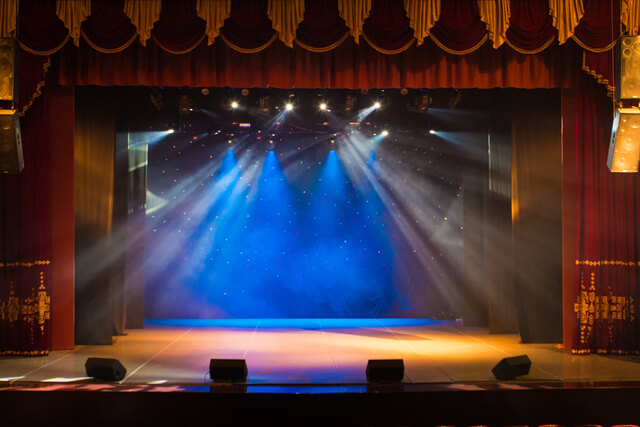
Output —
<point x="321" y="354"/>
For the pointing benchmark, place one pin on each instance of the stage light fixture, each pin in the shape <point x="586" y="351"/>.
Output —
<point x="349" y="103"/>
<point x="624" y="146"/>
<point x="288" y="106"/>
<point x="171" y="131"/>
<point x="432" y="131"/>
<point x="234" y="104"/>
<point x="422" y="103"/>
<point x="377" y="105"/>
<point x="265" y="104"/>
<point x="323" y="106"/>
<point x="384" y="133"/>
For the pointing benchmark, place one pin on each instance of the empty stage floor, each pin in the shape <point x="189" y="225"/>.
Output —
<point x="320" y="351"/>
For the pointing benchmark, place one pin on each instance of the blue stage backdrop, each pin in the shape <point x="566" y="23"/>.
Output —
<point x="284" y="216"/>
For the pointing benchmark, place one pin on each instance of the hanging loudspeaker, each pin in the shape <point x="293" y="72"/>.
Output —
<point x="628" y="69"/>
<point x="8" y="84"/>
<point x="624" y="146"/>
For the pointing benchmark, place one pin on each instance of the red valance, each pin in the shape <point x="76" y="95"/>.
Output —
<point x="248" y="28"/>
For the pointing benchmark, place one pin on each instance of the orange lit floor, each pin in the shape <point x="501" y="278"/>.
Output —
<point x="318" y="351"/>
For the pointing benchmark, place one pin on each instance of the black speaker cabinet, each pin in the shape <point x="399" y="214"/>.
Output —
<point x="385" y="370"/>
<point x="511" y="367"/>
<point x="628" y="69"/>
<point x="228" y="369"/>
<point x="105" y="369"/>
<point x="11" y="160"/>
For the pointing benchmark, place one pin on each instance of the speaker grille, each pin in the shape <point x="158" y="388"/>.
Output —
<point x="629" y="51"/>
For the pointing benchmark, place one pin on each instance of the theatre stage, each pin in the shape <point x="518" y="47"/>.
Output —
<point x="328" y="352"/>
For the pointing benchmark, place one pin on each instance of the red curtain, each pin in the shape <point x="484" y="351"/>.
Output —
<point x="25" y="244"/>
<point x="347" y="66"/>
<point x="605" y="318"/>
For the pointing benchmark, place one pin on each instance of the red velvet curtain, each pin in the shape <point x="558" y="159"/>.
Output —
<point x="608" y="238"/>
<point x="25" y="244"/>
<point x="347" y="66"/>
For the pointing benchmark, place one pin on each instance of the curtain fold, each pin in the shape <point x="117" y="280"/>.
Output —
<point x="566" y="16"/>
<point x="607" y="259"/>
<point x="143" y="14"/>
<point x="387" y="28"/>
<point x="286" y="15"/>
<point x="108" y="29"/>
<point x="214" y="12"/>
<point x="496" y="15"/>
<point x="322" y="29"/>
<point x="8" y="18"/>
<point x="354" y="12"/>
<point x="531" y="27"/>
<point x="40" y="31"/>
<point x="459" y="29"/>
<point x="422" y="17"/>
<point x="179" y="29"/>
<point x="73" y="13"/>
<point x="600" y="25"/>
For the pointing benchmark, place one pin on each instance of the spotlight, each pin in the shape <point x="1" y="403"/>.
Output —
<point x="377" y="105"/>
<point x="323" y="106"/>
<point x="432" y="131"/>
<point x="624" y="146"/>
<point x="288" y="106"/>
<point x="171" y="131"/>
<point x="234" y="104"/>
<point x="384" y="133"/>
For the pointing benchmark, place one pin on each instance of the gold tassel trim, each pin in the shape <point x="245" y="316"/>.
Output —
<point x="386" y="51"/>
<point x="104" y="50"/>
<point x="254" y="50"/>
<point x="38" y="91"/>
<point x="599" y="77"/>
<point x="530" y="52"/>
<point x="325" y="48"/>
<point x="178" y="52"/>
<point x="459" y="52"/>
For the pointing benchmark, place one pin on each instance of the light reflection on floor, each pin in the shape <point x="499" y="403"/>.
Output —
<point x="320" y="351"/>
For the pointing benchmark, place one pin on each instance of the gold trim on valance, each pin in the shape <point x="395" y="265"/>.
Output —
<point x="254" y="50"/>
<point x="324" y="48"/>
<point x="386" y="51"/>
<point x="460" y="52"/>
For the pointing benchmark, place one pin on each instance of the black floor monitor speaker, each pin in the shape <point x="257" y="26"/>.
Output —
<point x="511" y="367"/>
<point x="228" y="369"/>
<point x="105" y="369"/>
<point x="385" y="370"/>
